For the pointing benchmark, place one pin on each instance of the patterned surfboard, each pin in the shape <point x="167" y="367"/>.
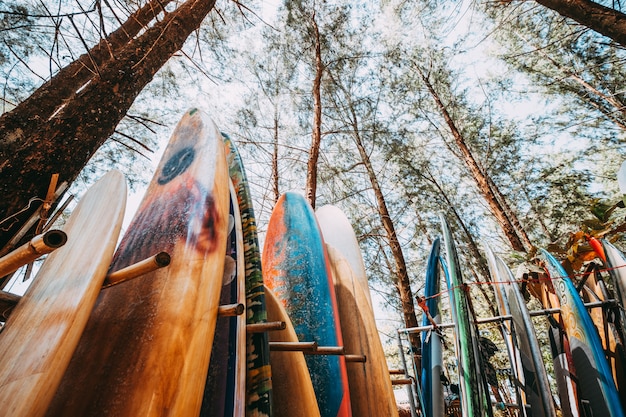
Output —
<point x="147" y="344"/>
<point x="596" y="388"/>
<point x="475" y="399"/>
<point x="258" y="372"/>
<point x="295" y="268"/>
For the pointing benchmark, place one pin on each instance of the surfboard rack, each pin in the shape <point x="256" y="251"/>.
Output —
<point x="312" y="348"/>
<point x="31" y="250"/>
<point x="535" y="313"/>
<point x="402" y="381"/>
<point x="160" y="260"/>
<point x="355" y="358"/>
<point x="265" y="327"/>
<point x="231" y="310"/>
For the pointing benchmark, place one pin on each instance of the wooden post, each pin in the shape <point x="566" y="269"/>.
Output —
<point x="160" y="260"/>
<point x="356" y="358"/>
<point x="7" y="302"/>
<point x="231" y="310"/>
<point x="266" y="327"/>
<point x="293" y="346"/>
<point x="326" y="350"/>
<point x="28" y="252"/>
<point x="402" y="381"/>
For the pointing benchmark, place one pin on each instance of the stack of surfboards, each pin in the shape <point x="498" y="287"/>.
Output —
<point x="163" y="325"/>
<point x="313" y="267"/>
<point x="587" y="350"/>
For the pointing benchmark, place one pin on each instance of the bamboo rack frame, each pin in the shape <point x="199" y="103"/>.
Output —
<point x="231" y="310"/>
<point x="160" y="260"/>
<point x="30" y="251"/>
<point x="535" y="313"/>
<point x="266" y="327"/>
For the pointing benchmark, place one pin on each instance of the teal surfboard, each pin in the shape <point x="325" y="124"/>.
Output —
<point x="432" y="362"/>
<point x="296" y="269"/>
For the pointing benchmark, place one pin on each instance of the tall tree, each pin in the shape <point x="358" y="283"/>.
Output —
<point x="72" y="125"/>
<point x="604" y="20"/>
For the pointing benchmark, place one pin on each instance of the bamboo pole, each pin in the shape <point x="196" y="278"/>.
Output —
<point x="402" y="381"/>
<point x="326" y="350"/>
<point x="356" y="358"/>
<point x="7" y="302"/>
<point x="266" y="327"/>
<point x="160" y="260"/>
<point x="396" y="372"/>
<point x="293" y="346"/>
<point x="231" y="310"/>
<point x="30" y="251"/>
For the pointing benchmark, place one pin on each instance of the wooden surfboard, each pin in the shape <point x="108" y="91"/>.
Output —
<point x="292" y="387"/>
<point x="41" y="334"/>
<point x="226" y="381"/>
<point x="432" y="361"/>
<point x="146" y="348"/>
<point x="596" y="388"/>
<point x="524" y="350"/>
<point x="371" y="393"/>
<point x="475" y="399"/>
<point x="258" y="373"/>
<point x="338" y="233"/>
<point x="295" y="268"/>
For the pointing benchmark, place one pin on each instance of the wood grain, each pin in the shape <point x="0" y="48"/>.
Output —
<point x="44" y="328"/>
<point x="146" y="349"/>
<point x="371" y="393"/>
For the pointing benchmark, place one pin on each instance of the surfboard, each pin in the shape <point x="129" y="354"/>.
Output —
<point x="596" y="389"/>
<point x="295" y="268"/>
<point x="616" y="261"/>
<point x="371" y="393"/>
<point x="524" y="350"/>
<point x="41" y="334"/>
<point x="146" y="348"/>
<point x="293" y="394"/>
<point x="432" y="362"/>
<point x="258" y="372"/>
<point x="338" y="233"/>
<point x="563" y="364"/>
<point x="475" y="400"/>
<point x="225" y="386"/>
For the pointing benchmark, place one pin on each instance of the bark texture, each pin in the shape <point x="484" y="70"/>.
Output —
<point x="507" y="220"/>
<point x="604" y="20"/>
<point x="60" y="130"/>
<point x="316" y="139"/>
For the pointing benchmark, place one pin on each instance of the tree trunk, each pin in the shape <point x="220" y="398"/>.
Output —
<point x="316" y="139"/>
<point x="275" y="159"/>
<point x="35" y="146"/>
<point x="49" y="96"/>
<point x="507" y="220"/>
<point x="604" y="20"/>
<point x="403" y="283"/>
